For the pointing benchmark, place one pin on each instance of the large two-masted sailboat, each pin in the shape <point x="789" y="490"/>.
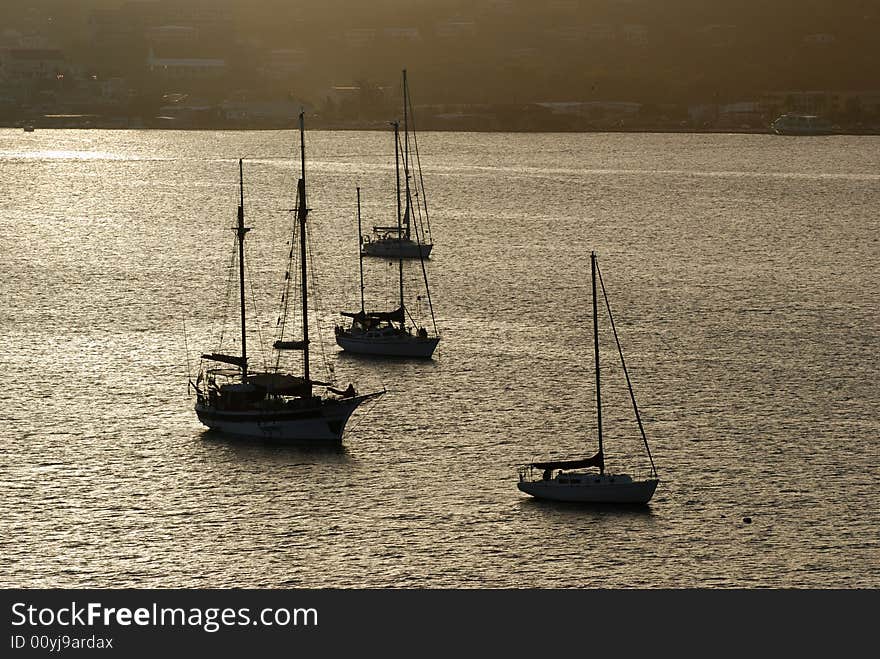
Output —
<point x="387" y="333"/>
<point x="273" y="404"/>
<point x="564" y="480"/>
<point x="410" y="238"/>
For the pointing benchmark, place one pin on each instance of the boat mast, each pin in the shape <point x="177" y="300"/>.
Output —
<point x="303" y="212"/>
<point x="399" y="226"/>
<point x="406" y="155"/>
<point x="360" y="252"/>
<point x="596" y="352"/>
<point x="241" y="230"/>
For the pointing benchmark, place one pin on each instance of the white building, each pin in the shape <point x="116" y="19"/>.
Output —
<point x="191" y="68"/>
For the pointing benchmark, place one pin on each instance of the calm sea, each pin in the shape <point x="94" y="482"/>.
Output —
<point x="742" y="271"/>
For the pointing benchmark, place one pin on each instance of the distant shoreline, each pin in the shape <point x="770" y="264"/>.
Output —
<point x="670" y="131"/>
<point x="74" y="123"/>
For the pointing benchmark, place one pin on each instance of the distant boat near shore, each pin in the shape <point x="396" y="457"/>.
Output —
<point x="801" y="124"/>
<point x="411" y="238"/>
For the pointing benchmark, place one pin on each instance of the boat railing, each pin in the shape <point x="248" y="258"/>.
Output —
<point x="641" y="473"/>
<point x="528" y="472"/>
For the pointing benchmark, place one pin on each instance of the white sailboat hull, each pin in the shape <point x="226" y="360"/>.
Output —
<point x="396" y="248"/>
<point x="591" y="488"/>
<point x="404" y="345"/>
<point x="321" y="421"/>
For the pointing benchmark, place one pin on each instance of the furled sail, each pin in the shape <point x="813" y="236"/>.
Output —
<point x="396" y="316"/>
<point x="226" y="359"/>
<point x="597" y="460"/>
<point x="290" y="345"/>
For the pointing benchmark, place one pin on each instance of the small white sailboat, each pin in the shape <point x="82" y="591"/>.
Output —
<point x="386" y="333"/>
<point x="273" y="405"/>
<point x="571" y="482"/>
<point x="411" y="237"/>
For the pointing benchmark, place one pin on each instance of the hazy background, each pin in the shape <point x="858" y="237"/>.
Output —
<point x="677" y="52"/>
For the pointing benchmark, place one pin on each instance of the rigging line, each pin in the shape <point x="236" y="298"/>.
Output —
<point x="360" y="417"/>
<point x="390" y="284"/>
<point x="254" y="307"/>
<point x="625" y="371"/>
<point x="292" y="279"/>
<point x="413" y="210"/>
<point x="419" y="224"/>
<point x="285" y="289"/>
<point x="316" y="295"/>
<point x="220" y="315"/>
<point x="418" y="216"/>
<point x="229" y="286"/>
<point x="411" y="317"/>
<point x="419" y="167"/>
<point x="425" y="278"/>
<point x="415" y="214"/>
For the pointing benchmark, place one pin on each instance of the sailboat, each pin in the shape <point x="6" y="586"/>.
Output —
<point x="407" y="239"/>
<point x="570" y="482"/>
<point x="273" y="405"/>
<point x="385" y="333"/>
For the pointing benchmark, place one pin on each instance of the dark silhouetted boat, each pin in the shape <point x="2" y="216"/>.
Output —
<point x="387" y="333"/>
<point x="571" y="480"/>
<point x="411" y="237"/>
<point x="273" y="405"/>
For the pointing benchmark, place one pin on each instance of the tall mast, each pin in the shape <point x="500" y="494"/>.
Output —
<point x="241" y="230"/>
<point x="408" y="214"/>
<point x="303" y="212"/>
<point x="399" y="227"/>
<point x="360" y="252"/>
<point x="596" y="351"/>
